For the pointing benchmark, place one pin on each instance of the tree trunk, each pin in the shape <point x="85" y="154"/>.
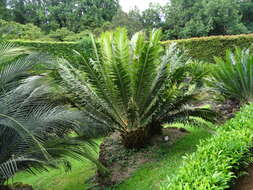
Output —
<point x="140" y="138"/>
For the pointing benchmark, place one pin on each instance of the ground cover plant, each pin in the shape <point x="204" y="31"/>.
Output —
<point x="133" y="87"/>
<point x="216" y="160"/>
<point x="34" y="132"/>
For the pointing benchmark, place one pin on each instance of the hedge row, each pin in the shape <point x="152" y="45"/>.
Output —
<point x="60" y="49"/>
<point x="213" y="165"/>
<point x="205" y="48"/>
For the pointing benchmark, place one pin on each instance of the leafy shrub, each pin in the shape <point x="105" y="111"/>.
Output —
<point x="60" y="34"/>
<point x="205" y="48"/>
<point x="77" y="36"/>
<point x="13" y="30"/>
<point x="232" y="77"/>
<point x="135" y="87"/>
<point x="214" y="163"/>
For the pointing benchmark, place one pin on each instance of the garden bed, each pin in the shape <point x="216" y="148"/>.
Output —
<point x="122" y="162"/>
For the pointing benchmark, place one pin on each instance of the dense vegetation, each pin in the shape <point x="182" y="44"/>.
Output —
<point x="178" y="18"/>
<point x="216" y="160"/>
<point x="63" y="89"/>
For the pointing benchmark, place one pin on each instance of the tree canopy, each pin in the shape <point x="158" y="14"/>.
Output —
<point x="178" y="18"/>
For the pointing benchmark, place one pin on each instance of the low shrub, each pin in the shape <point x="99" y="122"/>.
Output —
<point x="60" y="34"/>
<point x="13" y="30"/>
<point x="213" y="165"/>
<point x="205" y="48"/>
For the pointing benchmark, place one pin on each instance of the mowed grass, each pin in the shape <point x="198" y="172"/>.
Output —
<point x="148" y="177"/>
<point x="59" y="179"/>
<point x="151" y="175"/>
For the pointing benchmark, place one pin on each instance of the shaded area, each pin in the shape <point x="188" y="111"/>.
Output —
<point x="245" y="182"/>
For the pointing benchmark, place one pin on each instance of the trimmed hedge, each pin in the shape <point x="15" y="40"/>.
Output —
<point x="60" y="49"/>
<point x="213" y="165"/>
<point x="205" y="48"/>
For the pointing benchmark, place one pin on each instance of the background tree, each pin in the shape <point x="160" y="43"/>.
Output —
<point x="76" y="15"/>
<point x="186" y="18"/>
<point x="131" y="21"/>
<point x="246" y="9"/>
<point x="152" y="17"/>
<point x="4" y="12"/>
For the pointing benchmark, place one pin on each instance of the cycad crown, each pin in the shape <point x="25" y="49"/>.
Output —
<point x="134" y="86"/>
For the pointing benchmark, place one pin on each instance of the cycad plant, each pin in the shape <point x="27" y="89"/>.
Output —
<point x="134" y="86"/>
<point x="34" y="131"/>
<point x="232" y="77"/>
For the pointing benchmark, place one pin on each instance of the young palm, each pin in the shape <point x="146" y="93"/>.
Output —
<point x="232" y="77"/>
<point x="34" y="132"/>
<point x="134" y="87"/>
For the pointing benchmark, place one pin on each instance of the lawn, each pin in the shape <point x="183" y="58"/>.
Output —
<point x="149" y="176"/>
<point x="59" y="179"/>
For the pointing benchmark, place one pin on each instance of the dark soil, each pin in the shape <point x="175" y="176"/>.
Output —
<point x="16" y="186"/>
<point x="227" y="109"/>
<point x="245" y="182"/>
<point x="122" y="162"/>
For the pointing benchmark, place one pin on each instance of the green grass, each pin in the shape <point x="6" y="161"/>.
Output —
<point x="148" y="177"/>
<point x="59" y="179"/>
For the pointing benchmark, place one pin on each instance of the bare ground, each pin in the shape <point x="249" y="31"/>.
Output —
<point x="245" y="182"/>
<point x="123" y="162"/>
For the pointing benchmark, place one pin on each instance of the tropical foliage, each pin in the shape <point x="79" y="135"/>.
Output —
<point x="34" y="131"/>
<point x="134" y="87"/>
<point x="232" y="76"/>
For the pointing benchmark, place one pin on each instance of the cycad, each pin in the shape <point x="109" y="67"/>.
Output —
<point x="232" y="77"/>
<point x="34" y="132"/>
<point x="135" y="86"/>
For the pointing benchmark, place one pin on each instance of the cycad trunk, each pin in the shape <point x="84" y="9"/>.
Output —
<point x="140" y="137"/>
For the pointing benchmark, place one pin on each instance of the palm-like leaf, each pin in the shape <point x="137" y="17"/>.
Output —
<point x="131" y="83"/>
<point x="34" y="132"/>
<point x="233" y="76"/>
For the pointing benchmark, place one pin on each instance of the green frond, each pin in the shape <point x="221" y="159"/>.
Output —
<point x="34" y="131"/>
<point x="233" y="76"/>
<point x="133" y="83"/>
